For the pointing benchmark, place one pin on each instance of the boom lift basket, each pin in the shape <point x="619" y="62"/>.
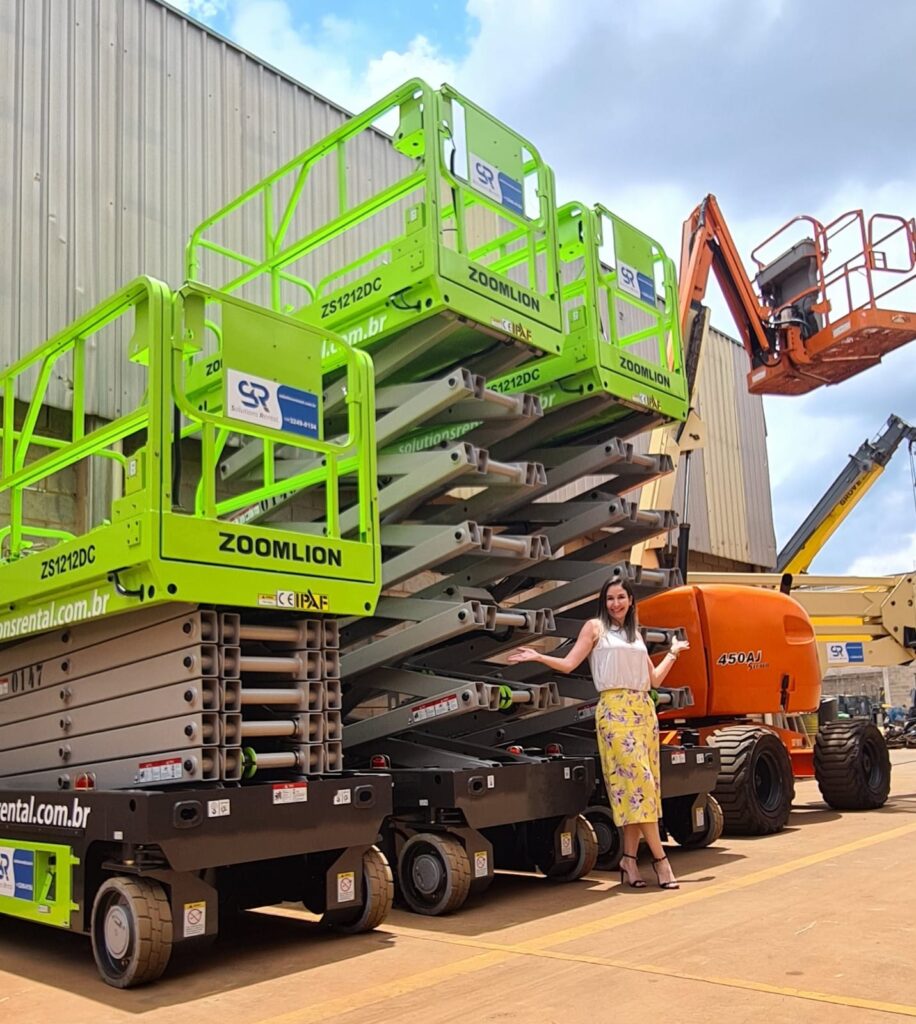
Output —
<point x="828" y="293"/>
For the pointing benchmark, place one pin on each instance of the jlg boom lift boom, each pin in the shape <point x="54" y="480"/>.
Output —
<point x="865" y="465"/>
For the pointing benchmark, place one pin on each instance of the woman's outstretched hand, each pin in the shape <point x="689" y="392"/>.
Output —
<point x="677" y="646"/>
<point x="524" y="654"/>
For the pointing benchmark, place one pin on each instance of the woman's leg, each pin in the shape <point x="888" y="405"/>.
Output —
<point x="654" y="841"/>
<point x="631" y="837"/>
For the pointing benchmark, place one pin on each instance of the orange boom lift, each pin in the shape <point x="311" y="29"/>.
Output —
<point x="815" y="314"/>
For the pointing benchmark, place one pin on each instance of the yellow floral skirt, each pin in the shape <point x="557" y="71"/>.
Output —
<point x="627" y="729"/>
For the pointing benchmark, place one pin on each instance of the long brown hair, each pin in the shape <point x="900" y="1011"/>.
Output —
<point x="629" y="621"/>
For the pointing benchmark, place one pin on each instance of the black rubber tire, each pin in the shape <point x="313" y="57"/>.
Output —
<point x="852" y="765"/>
<point x="680" y="827"/>
<point x="131" y="930"/>
<point x="378" y="896"/>
<point x="585" y="845"/>
<point x="434" y="874"/>
<point x="608" y="835"/>
<point x="755" y="787"/>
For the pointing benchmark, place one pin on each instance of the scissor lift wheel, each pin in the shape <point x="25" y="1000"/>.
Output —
<point x="378" y="895"/>
<point x="434" y="874"/>
<point x="131" y="931"/>
<point x="586" y="847"/>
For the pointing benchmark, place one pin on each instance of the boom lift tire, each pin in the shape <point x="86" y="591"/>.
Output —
<point x="131" y="930"/>
<point x="586" y="846"/>
<point x="608" y="835"/>
<point x="680" y="827"/>
<point x="755" y="787"/>
<point x="852" y="765"/>
<point x="434" y="874"/>
<point x="378" y="895"/>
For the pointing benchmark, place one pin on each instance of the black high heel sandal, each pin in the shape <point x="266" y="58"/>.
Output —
<point x="639" y="883"/>
<point x="661" y="884"/>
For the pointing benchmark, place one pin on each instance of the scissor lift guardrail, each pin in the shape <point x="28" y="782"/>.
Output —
<point x="621" y="368"/>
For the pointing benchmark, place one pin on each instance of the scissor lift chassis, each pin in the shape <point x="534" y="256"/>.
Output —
<point x="205" y="846"/>
<point x="688" y="774"/>
<point x="512" y="816"/>
<point x="549" y="795"/>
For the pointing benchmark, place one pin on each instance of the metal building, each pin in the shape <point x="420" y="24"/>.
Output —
<point x="123" y="123"/>
<point x="730" y="507"/>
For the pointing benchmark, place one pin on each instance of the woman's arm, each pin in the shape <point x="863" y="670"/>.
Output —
<point x="658" y="672"/>
<point x="586" y="640"/>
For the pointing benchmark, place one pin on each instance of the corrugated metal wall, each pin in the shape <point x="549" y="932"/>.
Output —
<point x="122" y="125"/>
<point x="730" y="506"/>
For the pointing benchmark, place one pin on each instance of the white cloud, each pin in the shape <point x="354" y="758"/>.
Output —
<point x="421" y="59"/>
<point x="203" y="10"/>
<point x="316" y="54"/>
<point x="899" y="560"/>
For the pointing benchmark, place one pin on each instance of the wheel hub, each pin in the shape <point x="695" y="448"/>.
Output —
<point x="117" y="932"/>
<point x="604" y="836"/>
<point x="426" y="874"/>
<point x="766" y="783"/>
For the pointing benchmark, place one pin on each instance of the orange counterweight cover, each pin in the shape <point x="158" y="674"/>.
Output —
<point x="744" y="642"/>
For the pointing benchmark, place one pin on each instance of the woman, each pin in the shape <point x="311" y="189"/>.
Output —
<point x="625" y="721"/>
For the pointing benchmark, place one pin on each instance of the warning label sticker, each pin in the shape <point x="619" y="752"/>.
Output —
<point x="195" y="919"/>
<point x="566" y="847"/>
<point x="346" y="886"/>
<point x="291" y="792"/>
<point x="586" y="711"/>
<point x="159" y="771"/>
<point x="218" y="808"/>
<point x="480" y="864"/>
<point x="434" y="708"/>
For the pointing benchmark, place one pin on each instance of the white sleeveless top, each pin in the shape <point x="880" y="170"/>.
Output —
<point x="618" y="665"/>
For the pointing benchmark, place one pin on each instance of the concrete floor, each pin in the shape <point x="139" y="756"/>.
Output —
<point x="813" y="924"/>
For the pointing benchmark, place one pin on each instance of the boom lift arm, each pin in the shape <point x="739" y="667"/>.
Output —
<point x="707" y="244"/>
<point x="863" y="469"/>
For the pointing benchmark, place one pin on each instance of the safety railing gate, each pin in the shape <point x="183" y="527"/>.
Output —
<point x="217" y="371"/>
<point x="452" y="238"/>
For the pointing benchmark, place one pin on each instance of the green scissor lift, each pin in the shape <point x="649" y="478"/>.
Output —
<point x="620" y="371"/>
<point x="472" y="206"/>
<point x="169" y="682"/>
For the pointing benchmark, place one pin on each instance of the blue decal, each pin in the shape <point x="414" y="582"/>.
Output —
<point x="298" y="410"/>
<point x="17" y="873"/>
<point x="24" y="874"/>
<point x="646" y="289"/>
<point x="855" y="651"/>
<point x="512" y="196"/>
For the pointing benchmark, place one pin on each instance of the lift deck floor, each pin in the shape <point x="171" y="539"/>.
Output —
<point x="812" y="924"/>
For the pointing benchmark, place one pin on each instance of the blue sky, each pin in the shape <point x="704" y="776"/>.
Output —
<point x="779" y="107"/>
<point x="373" y="27"/>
